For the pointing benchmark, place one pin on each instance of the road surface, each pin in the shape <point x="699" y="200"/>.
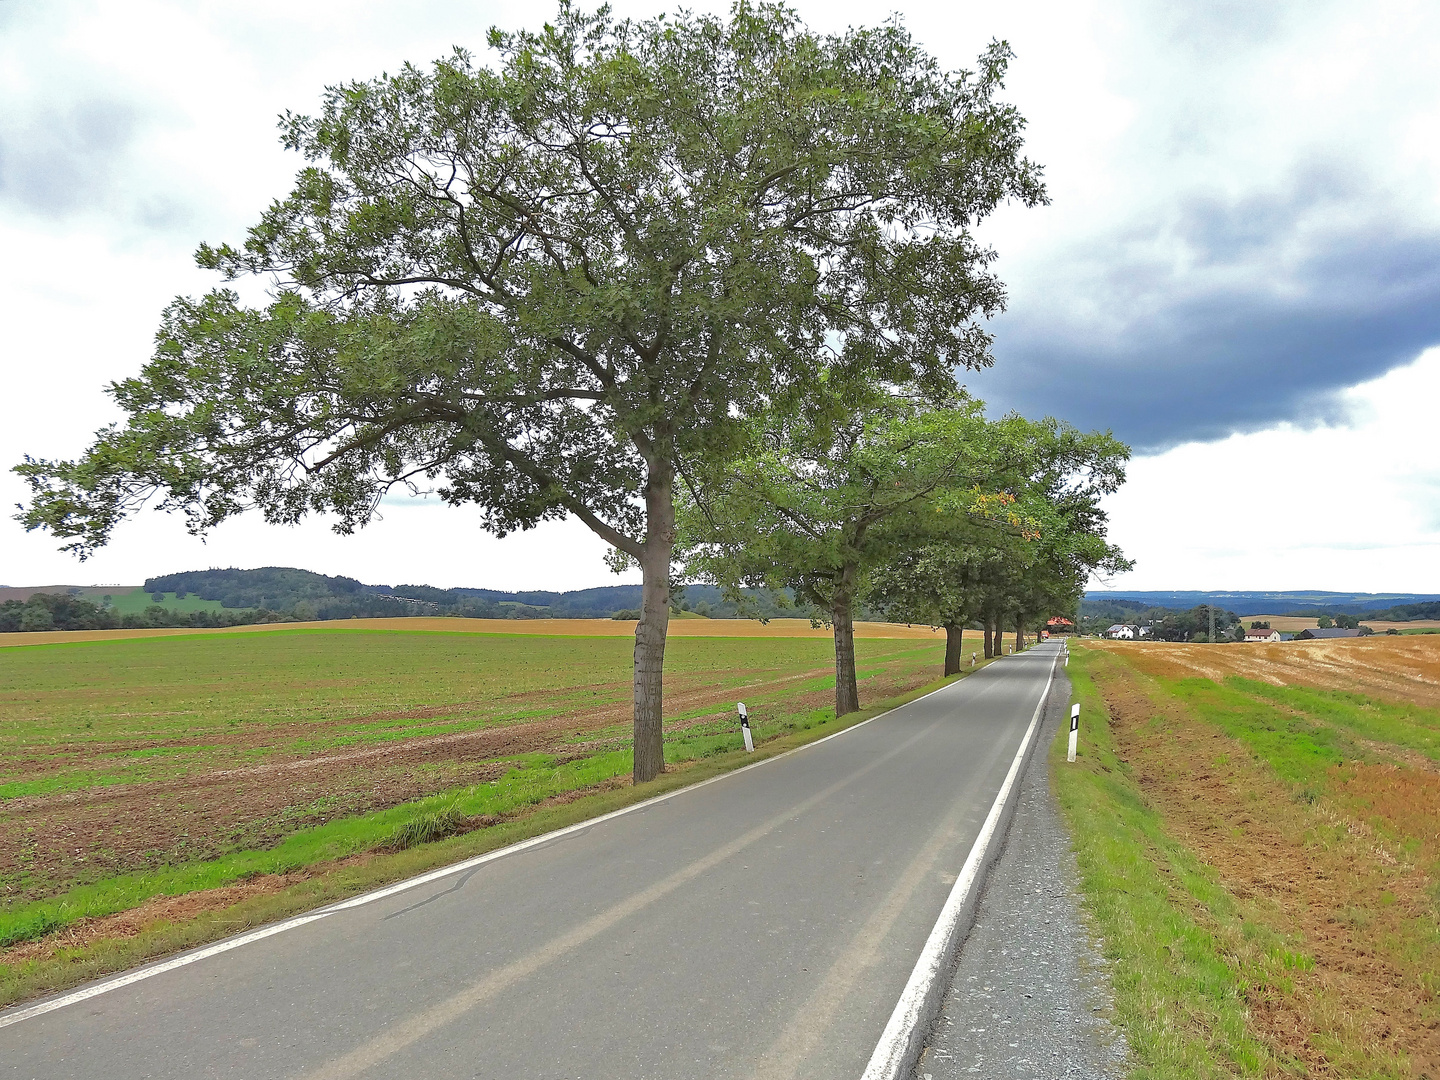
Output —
<point x="761" y="926"/>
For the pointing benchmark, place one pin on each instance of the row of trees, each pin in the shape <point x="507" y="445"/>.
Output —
<point x="1194" y="625"/>
<point x="687" y="271"/>
<point x="926" y="512"/>
<point x="60" y="611"/>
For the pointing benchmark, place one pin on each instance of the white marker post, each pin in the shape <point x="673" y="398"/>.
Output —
<point x="1074" y="731"/>
<point x="745" y="728"/>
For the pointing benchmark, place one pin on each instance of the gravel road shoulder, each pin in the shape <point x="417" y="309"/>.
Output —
<point x="1030" y="996"/>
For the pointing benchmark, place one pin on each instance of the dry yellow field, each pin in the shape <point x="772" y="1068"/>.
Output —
<point x="1259" y="830"/>
<point x="1294" y="623"/>
<point x="1405" y="668"/>
<point x="748" y="628"/>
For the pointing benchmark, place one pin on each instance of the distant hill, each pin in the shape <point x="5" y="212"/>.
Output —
<point x="304" y="595"/>
<point x="1390" y="606"/>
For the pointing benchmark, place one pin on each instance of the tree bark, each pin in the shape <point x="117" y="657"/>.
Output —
<point x="988" y="632"/>
<point x="1019" y="633"/>
<point x="654" y="624"/>
<point x="847" y="692"/>
<point x="954" y="647"/>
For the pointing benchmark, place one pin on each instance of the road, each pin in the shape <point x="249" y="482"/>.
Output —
<point x="760" y="926"/>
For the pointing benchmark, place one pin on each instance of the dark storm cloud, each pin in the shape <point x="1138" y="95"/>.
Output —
<point x="1282" y="304"/>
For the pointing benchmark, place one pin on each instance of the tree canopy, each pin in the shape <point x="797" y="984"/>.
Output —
<point x="816" y="502"/>
<point x="955" y="569"/>
<point x="548" y="285"/>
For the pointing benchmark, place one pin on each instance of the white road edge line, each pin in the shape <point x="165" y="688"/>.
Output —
<point x="155" y="969"/>
<point x="903" y="1040"/>
<point x="140" y="974"/>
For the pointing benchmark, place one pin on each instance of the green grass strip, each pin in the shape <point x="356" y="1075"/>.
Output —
<point x="531" y="782"/>
<point x="1410" y="726"/>
<point x="1181" y="1004"/>
<point x="1300" y="750"/>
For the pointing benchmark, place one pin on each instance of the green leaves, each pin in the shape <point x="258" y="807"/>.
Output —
<point x="1053" y="478"/>
<point x="546" y="284"/>
<point x="816" y="501"/>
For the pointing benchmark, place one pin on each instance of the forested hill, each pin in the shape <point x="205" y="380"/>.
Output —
<point x="307" y="595"/>
<point x="1392" y="606"/>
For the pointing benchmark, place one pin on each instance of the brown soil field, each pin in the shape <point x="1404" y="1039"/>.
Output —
<point x="220" y="801"/>
<point x="126" y="827"/>
<point x="1393" y="668"/>
<point x="747" y="628"/>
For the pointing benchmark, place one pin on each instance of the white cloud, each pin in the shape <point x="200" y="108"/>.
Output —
<point x="1344" y="507"/>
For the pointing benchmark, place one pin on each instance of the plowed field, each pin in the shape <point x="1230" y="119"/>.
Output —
<point x="726" y="628"/>
<point x="135" y="755"/>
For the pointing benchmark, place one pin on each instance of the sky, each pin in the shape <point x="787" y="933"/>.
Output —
<point x="1238" y="272"/>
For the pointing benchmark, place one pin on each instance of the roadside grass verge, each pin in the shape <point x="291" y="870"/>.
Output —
<point x="1262" y="863"/>
<point x="360" y="854"/>
<point x="1156" y="907"/>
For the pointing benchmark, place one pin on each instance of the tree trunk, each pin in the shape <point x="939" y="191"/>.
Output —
<point x="653" y="626"/>
<point x="1019" y="633"/>
<point x="988" y="632"/>
<point x="954" y="647"/>
<point x="847" y="693"/>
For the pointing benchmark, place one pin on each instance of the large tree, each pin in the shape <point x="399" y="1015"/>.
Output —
<point x="933" y="582"/>
<point x="548" y="285"/>
<point x="814" y="504"/>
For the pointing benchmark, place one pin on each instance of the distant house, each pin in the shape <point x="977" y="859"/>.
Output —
<point x="1120" y="630"/>
<point x="1059" y="625"/>
<point x="1262" y="635"/>
<point x="1334" y="632"/>
<point x="1147" y="631"/>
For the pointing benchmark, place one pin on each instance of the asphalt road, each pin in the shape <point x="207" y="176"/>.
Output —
<point x="762" y="926"/>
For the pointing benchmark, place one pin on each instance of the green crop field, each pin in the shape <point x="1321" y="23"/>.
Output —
<point x="150" y="767"/>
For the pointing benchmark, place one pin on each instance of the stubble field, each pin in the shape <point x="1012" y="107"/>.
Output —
<point x="1259" y="834"/>
<point x="1295" y="623"/>
<point x="169" y="774"/>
